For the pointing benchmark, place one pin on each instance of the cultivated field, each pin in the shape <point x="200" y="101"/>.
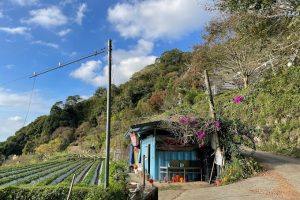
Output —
<point x="56" y="172"/>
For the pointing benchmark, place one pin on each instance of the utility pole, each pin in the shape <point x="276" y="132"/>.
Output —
<point x="212" y="107"/>
<point x="108" y="117"/>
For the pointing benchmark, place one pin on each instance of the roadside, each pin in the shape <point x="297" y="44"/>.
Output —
<point x="281" y="181"/>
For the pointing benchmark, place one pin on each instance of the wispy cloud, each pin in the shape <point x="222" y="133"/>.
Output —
<point x="15" y="118"/>
<point x="47" y="44"/>
<point x="19" y="101"/>
<point x="47" y="17"/>
<point x="1" y="14"/>
<point x="9" y="66"/>
<point x="81" y="13"/>
<point x="15" y="30"/>
<point x="24" y="2"/>
<point x="64" y="32"/>
<point x="65" y="2"/>
<point x="13" y="108"/>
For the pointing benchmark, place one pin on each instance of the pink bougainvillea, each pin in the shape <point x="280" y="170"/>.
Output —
<point x="218" y="125"/>
<point x="186" y="120"/>
<point x="200" y="135"/>
<point x="238" y="99"/>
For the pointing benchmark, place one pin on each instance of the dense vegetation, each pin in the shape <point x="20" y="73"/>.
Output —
<point x="248" y="50"/>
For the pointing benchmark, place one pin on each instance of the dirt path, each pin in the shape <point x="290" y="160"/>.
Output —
<point x="281" y="181"/>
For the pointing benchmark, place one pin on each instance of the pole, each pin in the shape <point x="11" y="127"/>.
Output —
<point x="148" y="159"/>
<point x="211" y="106"/>
<point x="144" y="172"/>
<point x="71" y="186"/>
<point x="210" y="96"/>
<point x="108" y="116"/>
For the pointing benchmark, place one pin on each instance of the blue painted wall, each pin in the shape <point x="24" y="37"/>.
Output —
<point x="163" y="158"/>
<point x="144" y="151"/>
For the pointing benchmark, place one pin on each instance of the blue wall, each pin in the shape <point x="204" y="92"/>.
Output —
<point x="161" y="158"/>
<point x="144" y="151"/>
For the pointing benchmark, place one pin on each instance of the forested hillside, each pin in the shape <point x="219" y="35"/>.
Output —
<point x="252" y="52"/>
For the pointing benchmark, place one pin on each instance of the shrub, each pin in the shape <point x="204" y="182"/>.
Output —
<point x="239" y="168"/>
<point x="60" y="193"/>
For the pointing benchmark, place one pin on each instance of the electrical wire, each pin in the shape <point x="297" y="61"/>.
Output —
<point x="68" y="63"/>
<point x="30" y="101"/>
<point x="14" y="80"/>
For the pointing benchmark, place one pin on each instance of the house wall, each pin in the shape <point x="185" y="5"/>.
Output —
<point x="144" y="151"/>
<point x="163" y="158"/>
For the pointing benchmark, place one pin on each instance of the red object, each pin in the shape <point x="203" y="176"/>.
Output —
<point x="177" y="178"/>
<point x="135" y="167"/>
<point x="173" y="179"/>
<point x="151" y="180"/>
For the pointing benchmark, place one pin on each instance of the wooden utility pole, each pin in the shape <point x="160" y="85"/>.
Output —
<point x="108" y="117"/>
<point x="215" y="140"/>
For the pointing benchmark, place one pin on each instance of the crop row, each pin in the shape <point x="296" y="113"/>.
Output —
<point x="53" y="176"/>
<point x="13" y="178"/>
<point x="41" y="166"/>
<point x="39" y="176"/>
<point x="7" y="172"/>
<point x="56" y="172"/>
<point x="89" y="175"/>
<point x="66" y="178"/>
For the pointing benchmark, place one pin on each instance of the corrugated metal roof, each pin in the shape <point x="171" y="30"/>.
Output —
<point x="141" y="129"/>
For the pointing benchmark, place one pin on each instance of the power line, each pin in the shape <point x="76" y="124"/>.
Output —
<point x="14" y="80"/>
<point x="68" y="63"/>
<point x="54" y="68"/>
<point x="30" y="101"/>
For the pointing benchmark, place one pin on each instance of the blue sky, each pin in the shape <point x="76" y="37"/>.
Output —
<point x="38" y="34"/>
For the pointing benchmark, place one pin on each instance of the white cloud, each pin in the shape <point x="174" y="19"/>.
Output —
<point x="47" y="17"/>
<point x="80" y="13"/>
<point x="64" y="32"/>
<point x="158" y="19"/>
<point x="16" y="101"/>
<point x="126" y="63"/>
<point x="16" y="30"/>
<point x="24" y="2"/>
<point x="1" y="14"/>
<point x="9" y="126"/>
<point x="13" y="108"/>
<point x="88" y="72"/>
<point x="47" y="44"/>
<point x="15" y="118"/>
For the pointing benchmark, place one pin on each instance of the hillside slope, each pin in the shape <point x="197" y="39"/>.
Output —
<point x="272" y="105"/>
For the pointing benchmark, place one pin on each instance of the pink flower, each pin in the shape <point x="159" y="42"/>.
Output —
<point x="238" y="99"/>
<point x="217" y="125"/>
<point x="201" y="146"/>
<point x="201" y="135"/>
<point x="186" y="120"/>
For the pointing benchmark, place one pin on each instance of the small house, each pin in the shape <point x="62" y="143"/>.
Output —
<point x="166" y="157"/>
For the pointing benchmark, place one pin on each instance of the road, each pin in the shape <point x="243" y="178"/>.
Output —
<point x="280" y="181"/>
